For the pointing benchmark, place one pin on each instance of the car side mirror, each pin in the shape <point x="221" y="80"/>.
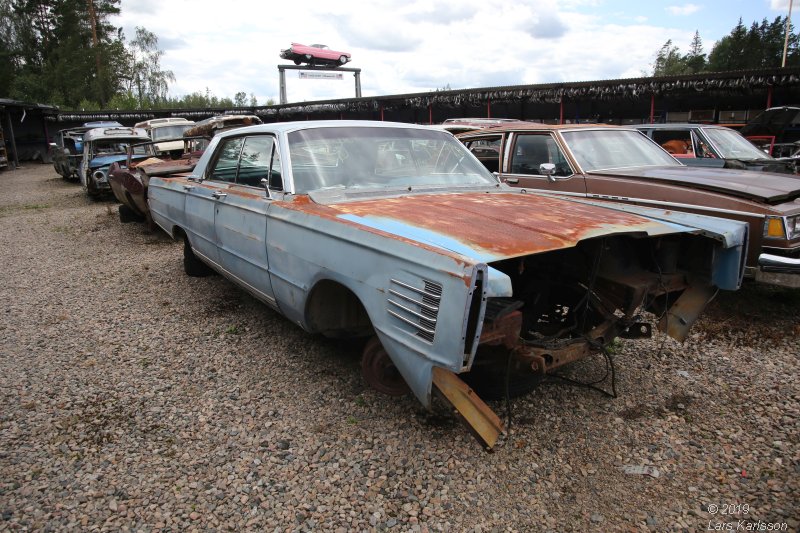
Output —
<point x="549" y="170"/>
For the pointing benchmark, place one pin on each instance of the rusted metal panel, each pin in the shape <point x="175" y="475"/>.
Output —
<point x="483" y="422"/>
<point x="683" y="313"/>
<point x="510" y="225"/>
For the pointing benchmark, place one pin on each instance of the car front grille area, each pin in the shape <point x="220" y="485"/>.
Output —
<point x="416" y="307"/>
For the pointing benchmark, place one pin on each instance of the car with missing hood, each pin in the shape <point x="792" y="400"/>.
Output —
<point x="101" y="148"/>
<point x="397" y="234"/>
<point x="620" y="164"/>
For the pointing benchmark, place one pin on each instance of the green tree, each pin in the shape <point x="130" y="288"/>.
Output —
<point x="8" y="48"/>
<point x="669" y="61"/>
<point x="145" y="79"/>
<point x="240" y="99"/>
<point x="65" y="51"/>
<point x="761" y="46"/>
<point x="695" y="60"/>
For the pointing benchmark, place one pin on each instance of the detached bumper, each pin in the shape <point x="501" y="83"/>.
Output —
<point x="778" y="270"/>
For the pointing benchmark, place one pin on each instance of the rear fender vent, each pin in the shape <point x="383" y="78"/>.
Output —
<point x="416" y="307"/>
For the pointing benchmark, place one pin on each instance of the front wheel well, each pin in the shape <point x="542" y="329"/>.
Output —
<point x="335" y="311"/>
<point x="178" y="234"/>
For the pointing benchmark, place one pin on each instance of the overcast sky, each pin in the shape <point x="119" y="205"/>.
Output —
<point x="423" y="45"/>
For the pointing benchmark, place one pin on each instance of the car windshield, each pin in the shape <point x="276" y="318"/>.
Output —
<point x="732" y="145"/>
<point x="365" y="157"/>
<point x="164" y="133"/>
<point x="609" y="148"/>
<point x="111" y="146"/>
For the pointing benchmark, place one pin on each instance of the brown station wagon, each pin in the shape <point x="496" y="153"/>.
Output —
<point x="621" y="164"/>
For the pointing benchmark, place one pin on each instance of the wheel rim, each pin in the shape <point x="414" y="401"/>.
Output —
<point x="379" y="371"/>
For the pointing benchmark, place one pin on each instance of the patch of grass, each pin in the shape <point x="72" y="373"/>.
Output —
<point x="615" y="346"/>
<point x="360" y="401"/>
<point x="9" y="209"/>
<point x="232" y="330"/>
<point x="64" y="230"/>
<point x="352" y="420"/>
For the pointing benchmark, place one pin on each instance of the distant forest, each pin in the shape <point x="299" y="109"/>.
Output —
<point x="67" y="53"/>
<point x="760" y="46"/>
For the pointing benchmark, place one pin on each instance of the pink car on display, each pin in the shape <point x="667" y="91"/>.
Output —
<point x="314" y="55"/>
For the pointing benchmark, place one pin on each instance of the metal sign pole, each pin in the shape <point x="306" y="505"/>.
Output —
<point x="282" y="76"/>
<point x="283" y="68"/>
<point x="357" y="75"/>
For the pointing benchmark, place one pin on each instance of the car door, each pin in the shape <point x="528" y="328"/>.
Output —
<point x="487" y="149"/>
<point x="525" y="153"/>
<point x="241" y="217"/>
<point x="202" y="198"/>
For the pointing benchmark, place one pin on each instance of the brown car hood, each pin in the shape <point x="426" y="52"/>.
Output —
<point x="763" y="187"/>
<point x="490" y="226"/>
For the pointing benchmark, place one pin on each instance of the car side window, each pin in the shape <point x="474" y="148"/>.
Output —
<point x="530" y="151"/>
<point x="676" y="142"/>
<point x="487" y="150"/>
<point x="224" y="168"/>
<point x="254" y="161"/>
<point x="275" y="178"/>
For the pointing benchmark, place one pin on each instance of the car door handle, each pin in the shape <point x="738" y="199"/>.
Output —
<point x="219" y="195"/>
<point x="188" y="187"/>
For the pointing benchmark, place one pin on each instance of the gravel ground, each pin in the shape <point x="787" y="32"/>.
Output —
<point x="136" y="398"/>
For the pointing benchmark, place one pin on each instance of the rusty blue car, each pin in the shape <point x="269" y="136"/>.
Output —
<point x="396" y="233"/>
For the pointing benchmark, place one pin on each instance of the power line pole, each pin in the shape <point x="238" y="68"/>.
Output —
<point x="786" y="39"/>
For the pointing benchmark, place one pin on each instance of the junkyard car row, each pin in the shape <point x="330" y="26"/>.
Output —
<point x="399" y="234"/>
<point x="621" y="165"/>
<point x="129" y="179"/>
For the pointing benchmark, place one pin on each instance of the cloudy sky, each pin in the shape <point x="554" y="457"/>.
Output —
<point x="423" y="45"/>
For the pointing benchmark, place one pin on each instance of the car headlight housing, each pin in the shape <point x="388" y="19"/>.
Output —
<point x="793" y="226"/>
<point x="782" y="227"/>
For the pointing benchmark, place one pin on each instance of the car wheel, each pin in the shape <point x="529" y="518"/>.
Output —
<point x="379" y="371"/>
<point x="126" y="214"/>
<point x="342" y="59"/>
<point x="297" y="61"/>
<point x="193" y="266"/>
<point x="91" y="190"/>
